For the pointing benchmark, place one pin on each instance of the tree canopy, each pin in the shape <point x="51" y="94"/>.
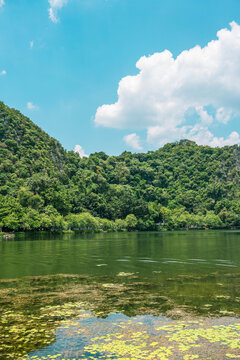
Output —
<point x="181" y="185"/>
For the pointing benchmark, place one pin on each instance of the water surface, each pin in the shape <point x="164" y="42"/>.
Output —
<point x="171" y="252"/>
<point x="68" y="296"/>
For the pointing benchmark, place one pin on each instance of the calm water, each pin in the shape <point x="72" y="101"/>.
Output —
<point x="74" y="294"/>
<point x="107" y="254"/>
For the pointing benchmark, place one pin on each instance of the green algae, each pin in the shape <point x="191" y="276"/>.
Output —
<point x="33" y="308"/>
<point x="175" y="340"/>
<point x="161" y="339"/>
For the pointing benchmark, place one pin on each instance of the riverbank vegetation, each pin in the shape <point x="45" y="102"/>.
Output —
<point x="44" y="187"/>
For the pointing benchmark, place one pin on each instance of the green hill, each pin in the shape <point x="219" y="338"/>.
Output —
<point x="42" y="186"/>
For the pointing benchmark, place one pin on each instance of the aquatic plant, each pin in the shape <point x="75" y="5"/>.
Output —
<point x="33" y="308"/>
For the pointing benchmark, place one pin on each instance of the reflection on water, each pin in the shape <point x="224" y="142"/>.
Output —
<point x="171" y="252"/>
<point x="180" y="275"/>
<point x="143" y="337"/>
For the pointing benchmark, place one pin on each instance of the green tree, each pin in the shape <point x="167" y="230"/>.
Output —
<point x="131" y="221"/>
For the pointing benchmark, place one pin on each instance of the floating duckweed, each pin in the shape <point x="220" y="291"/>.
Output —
<point x="33" y="309"/>
<point x="125" y="274"/>
<point x="187" y="340"/>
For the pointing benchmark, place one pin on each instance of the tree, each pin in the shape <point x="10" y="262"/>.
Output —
<point x="181" y="185"/>
<point x="131" y="221"/>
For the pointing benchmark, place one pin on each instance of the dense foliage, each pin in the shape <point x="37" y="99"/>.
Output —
<point x="182" y="185"/>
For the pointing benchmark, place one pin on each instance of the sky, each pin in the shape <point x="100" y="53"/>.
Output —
<point x="116" y="75"/>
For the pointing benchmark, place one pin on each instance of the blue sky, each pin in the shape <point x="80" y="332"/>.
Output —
<point x="61" y="60"/>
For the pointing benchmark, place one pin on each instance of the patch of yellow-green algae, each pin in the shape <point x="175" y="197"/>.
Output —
<point x="22" y="332"/>
<point x="33" y="308"/>
<point x="175" y="340"/>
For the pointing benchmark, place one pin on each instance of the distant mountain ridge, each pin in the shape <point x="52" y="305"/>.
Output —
<point x="21" y="136"/>
<point x="177" y="186"/>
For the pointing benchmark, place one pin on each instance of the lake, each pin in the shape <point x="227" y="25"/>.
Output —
<point x="120" y="295"/>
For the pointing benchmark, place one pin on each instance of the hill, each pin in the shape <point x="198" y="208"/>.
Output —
<point x="42" y="186"/>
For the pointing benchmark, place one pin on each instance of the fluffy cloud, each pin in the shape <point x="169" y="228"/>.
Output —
<point x="55" y="5"/>
<point x="3" y="72"/>
<point x="31" y="44"/>
<point x="79" y="150"/>
<point x="165" y="90"/>
<point x="133" y="140"/>
<point x="204" y="136"/>
<point x="199" y="133"/>
<point x="31" y="106"/>
<point x="2" y="2"/>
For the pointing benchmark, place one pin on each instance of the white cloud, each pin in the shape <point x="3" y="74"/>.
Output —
<point x="2" y="2"/>
<point x="204" y="116"/>
<point x="160" y="135"/>
<point x="223" y="115"/>
<point x="203" y="136"/>
<point x="133" y="140"/>
<point x="79" y="150"/>
<point x="160" y="96"/>
<point x="3" y="72"/>
<point x="52" y="15"/>
<point x="31" y="44"/>
<point x="199" y="133"/>
<point x="31" y="106"/>
<point x="55" y="5"/>
<point x="232" y="139"/>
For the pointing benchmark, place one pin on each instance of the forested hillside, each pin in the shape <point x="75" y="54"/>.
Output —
<point x="182" y="185"/>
